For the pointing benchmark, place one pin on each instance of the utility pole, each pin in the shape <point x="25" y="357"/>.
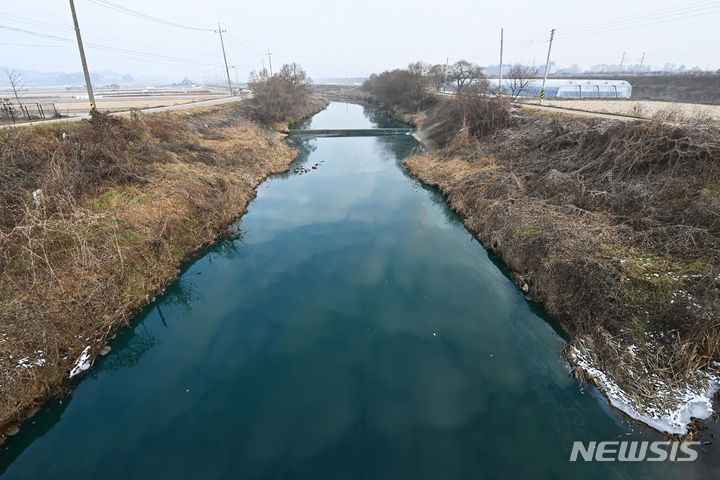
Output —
<point x="227" y="70"/>
<point x="642" y="59"/>
<point x="622" y="61"/>
<point x="500" y="86"/>
<point x="547" y="65"/>
<point x="91" y="97"/>
<point x="447" y="63"/>
<point x="270" y="61"/>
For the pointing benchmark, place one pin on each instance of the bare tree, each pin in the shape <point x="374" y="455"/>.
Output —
<point x="399" y="88"/>
<point x="464" y="73"/>
<point x="519" y="78"/>
<point x="17" y="84"/>
<point x="419" y="68"/>
<point x="436" y="75"/>
<point x="293" y="74"/>
<point x="282" y="96"/>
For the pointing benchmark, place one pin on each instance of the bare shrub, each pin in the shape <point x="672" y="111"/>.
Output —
<point x="470" y="116"/>
<point x="281" y="97"/>
<point x="18" y="85"/>
<point x="671" y="113"/>
<point x="700" y="117"/>
<point x="437" y="75"/>
<point x="464" y="74"/>
<point x="637" y="109"/>
<point x="519" y="78"/>
<point x="404" y="89"/>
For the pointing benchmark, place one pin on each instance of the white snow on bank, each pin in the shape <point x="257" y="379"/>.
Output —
<point x="27" y="363"/>
<point x="688" y="403"/>
<point x="82" y="364"/>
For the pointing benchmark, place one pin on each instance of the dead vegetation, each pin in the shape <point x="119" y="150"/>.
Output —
<point x="281" y="98"/>
<point x="96" y="218"/>
<point x="613" y="226"/>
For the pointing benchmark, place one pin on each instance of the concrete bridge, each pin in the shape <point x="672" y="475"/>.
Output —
<point x="353" y="132"/>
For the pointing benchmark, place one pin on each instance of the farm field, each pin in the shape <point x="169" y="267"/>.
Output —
<point x="74" y="102"/>
<point x="673" y="111"/>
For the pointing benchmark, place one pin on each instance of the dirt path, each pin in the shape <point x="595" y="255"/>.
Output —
<point x="184" y="106"/>
<point x="580" y="113"/>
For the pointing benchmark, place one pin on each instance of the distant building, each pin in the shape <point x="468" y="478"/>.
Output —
<point x="605" y="68"/>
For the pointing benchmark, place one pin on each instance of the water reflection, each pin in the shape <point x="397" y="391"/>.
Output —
<point x="129" y="348"/>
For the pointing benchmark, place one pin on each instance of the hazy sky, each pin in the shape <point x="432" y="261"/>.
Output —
<point x="334" y="38"/>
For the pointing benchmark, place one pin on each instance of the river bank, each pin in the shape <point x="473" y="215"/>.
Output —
<point x="98" y="216"/>
<point x="613" y="229"/>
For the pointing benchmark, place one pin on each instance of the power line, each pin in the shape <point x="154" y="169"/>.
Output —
<point x="121" y="47"/>
<point x="644" y="24"/>
<point x="689" y="8"/>
<point x="142" y="45"/>
<point x="124" y="52"/>
<point x="243" y="45"/>
<point x="646" y="20"/>
<point x="35" y="23"/>
<point x="66" y="29"/>
<point x="32" y="45"/>
<point x="149" y="18"/>
<point x="149" y="55"/>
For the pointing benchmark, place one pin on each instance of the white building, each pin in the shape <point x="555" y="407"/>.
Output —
<point x="570" y="88"/>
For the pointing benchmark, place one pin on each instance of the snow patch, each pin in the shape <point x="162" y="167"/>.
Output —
<point x="82" y="364"/>
<point x="25" y="362"/>
<point x="688" y="403"/>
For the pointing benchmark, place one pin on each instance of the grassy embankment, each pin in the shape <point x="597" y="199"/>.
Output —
<point x="614" y="227"/>
<point x="96" y="219"/>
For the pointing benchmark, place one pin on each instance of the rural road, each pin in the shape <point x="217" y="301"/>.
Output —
<point x="579" y="113"/>
<point x="570" y="111"/>
<point x="182" y="106"/>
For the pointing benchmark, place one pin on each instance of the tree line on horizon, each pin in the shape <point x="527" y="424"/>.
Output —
<point x="412" y="88"/>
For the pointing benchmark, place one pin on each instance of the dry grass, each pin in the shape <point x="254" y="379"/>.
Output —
<point x="119" y="203"/>
<point x="613" y="226"/>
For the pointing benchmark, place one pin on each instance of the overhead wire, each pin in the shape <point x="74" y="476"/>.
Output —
<point x="126" y="48"/>
<point x="31" y="45"/>
<point x="128" y="53"/>
<point x="150" y="18"/>
<point x="689" y="10"/>
<point x="642" y="16"/>
<point x="640" y="21"/>
<point x="243" y="45"/>
<point x="88" y="34"/>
